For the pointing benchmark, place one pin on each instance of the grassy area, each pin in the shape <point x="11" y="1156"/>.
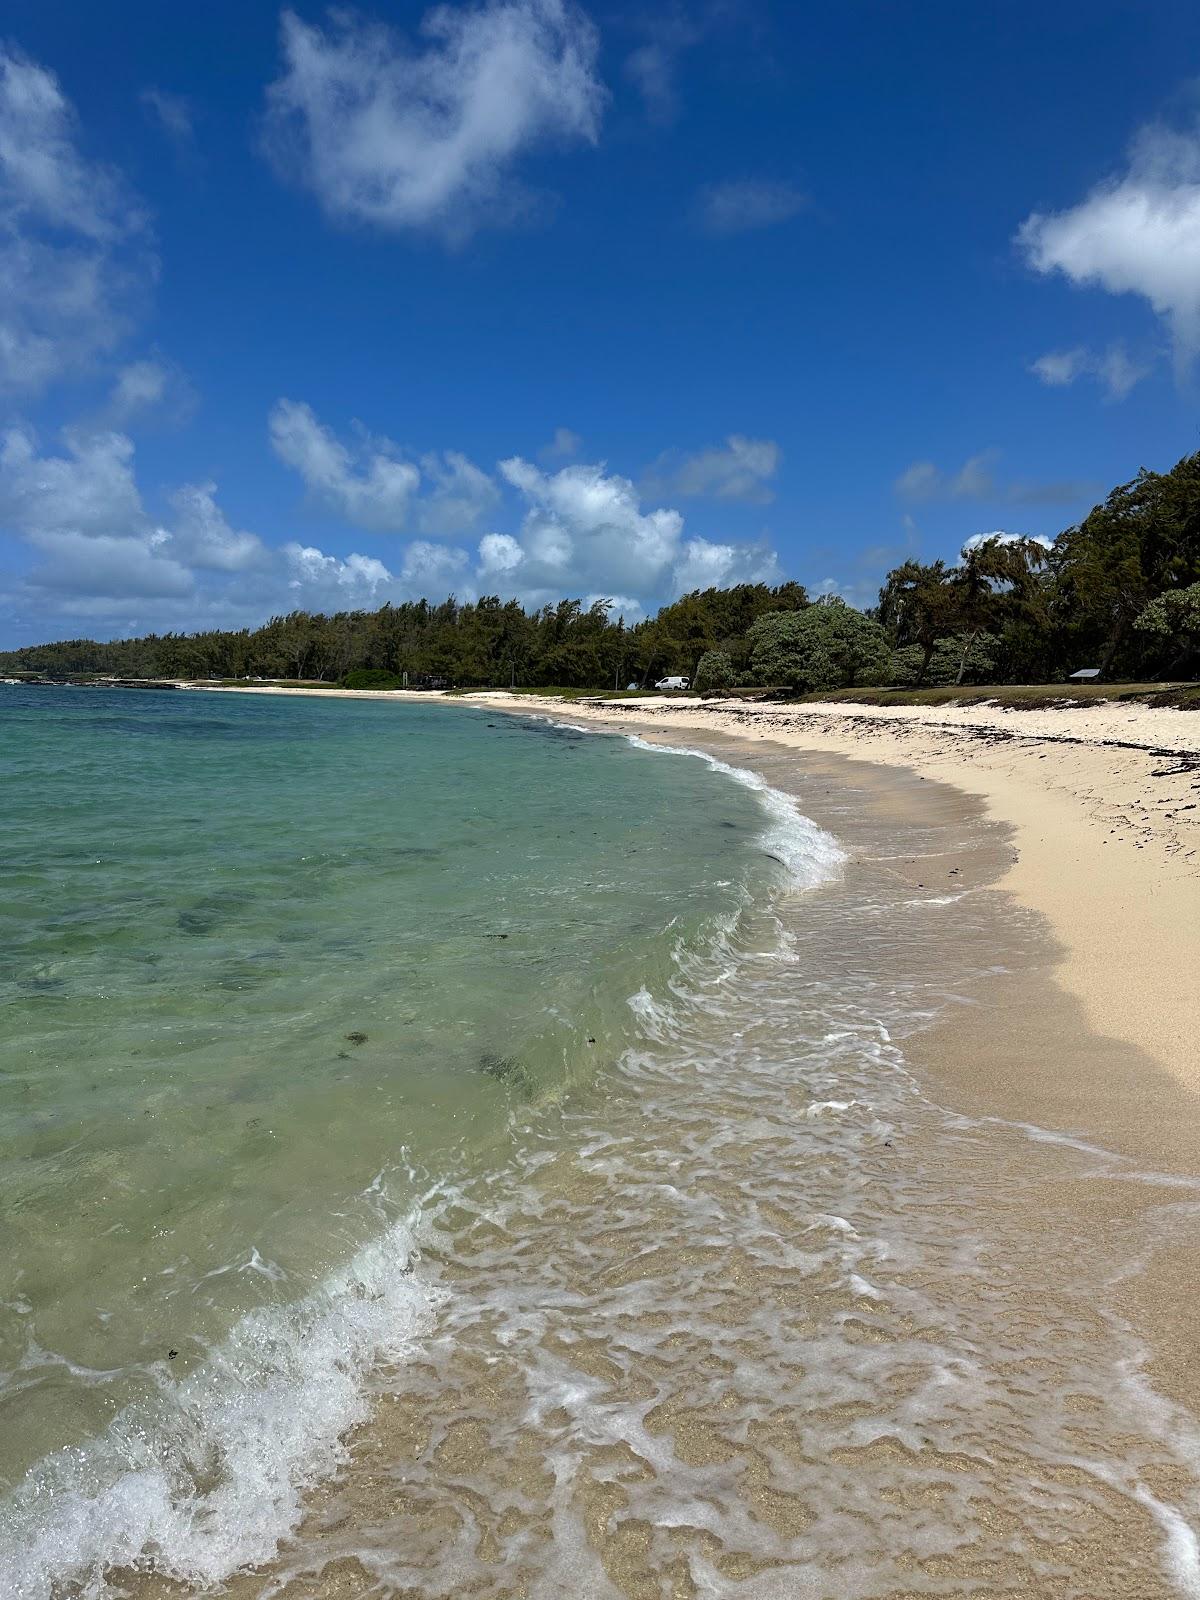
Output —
<point x="1021" y="696"/>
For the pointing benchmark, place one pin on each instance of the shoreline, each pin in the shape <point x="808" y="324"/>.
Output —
<point x="1104" y="803"/>
<point x="1105" y="850"/>
<point x="1066" y="1221"/>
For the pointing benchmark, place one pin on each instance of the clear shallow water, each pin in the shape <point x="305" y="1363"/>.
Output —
<point x="272" y="970"/>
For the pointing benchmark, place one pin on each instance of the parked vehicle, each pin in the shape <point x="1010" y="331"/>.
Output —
<point x="673" y="683"/>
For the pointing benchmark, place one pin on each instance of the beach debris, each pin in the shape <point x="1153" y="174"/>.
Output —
<point x="171" y="1354"/>
<point x="357" y="1037"/>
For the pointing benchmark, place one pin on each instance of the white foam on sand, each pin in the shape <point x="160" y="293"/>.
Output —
<point x="210" y="1476"/>
<point x="810" y="855"/>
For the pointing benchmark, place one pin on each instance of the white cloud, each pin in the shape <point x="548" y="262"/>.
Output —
<point x="499" y="553"/>
<point x="586" y="527"/>
<point x="925" y="481"/>
<point x="82" y="512"/>
<point x="462" y="494"/>
<point x="1114" y="369"/>
<point x="73" y="241"/>
<point x="90" y="490"/>
<point x="435" y="567"/>
<point x="740" y="469"/>
<point x="352" y="582"/>
<point x="98" y="552"/>
<point x="702" y="565"/>
<point x="1137" y="232"/>
<point x="585" y="531"/>
<point x="371" y="487"/>
<point x="203" y="537"/>
<point x="427" y="138"/>
<point x="173" y="112"/>
<point x="747" y="203"/>
<point x="106" y="569"/>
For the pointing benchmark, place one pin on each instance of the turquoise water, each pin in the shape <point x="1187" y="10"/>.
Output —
<point x="273" y="971"/>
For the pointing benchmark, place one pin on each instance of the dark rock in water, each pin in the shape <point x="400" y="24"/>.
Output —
<point x="495" y="936"/>
<point x="356" y="1037"/>
<point x="507" y="1069"/>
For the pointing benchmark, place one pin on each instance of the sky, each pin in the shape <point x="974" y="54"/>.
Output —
<point x="307" y="308"/>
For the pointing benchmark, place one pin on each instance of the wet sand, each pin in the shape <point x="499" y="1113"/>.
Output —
<point x="910" y="1317"/>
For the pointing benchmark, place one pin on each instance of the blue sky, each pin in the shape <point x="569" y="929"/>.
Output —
<point x="301" y="308"/>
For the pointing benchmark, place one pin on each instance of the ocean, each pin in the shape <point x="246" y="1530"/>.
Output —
<point x="445" y="1152"/>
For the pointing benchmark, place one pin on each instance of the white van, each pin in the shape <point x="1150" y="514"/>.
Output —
<point x="672" y="683"/>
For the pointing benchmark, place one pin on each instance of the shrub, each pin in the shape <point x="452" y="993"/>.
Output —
<point x="826" y="646"/>
<point x="714" y="673"/>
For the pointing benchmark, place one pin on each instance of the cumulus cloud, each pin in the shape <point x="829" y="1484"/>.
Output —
<point x="90" y="490"/>
<point x="499" y="555"/>
<point x="703" y="565"/>
<point x="432" y="568"/>
<point x="1114" y="369"/>
<point x="98" y="549"/>
<point x="741" y="205"/>
<point x="97" y="552"/>
<point x="371" y="487"/>
<point x="584" y="530"/>
<point x="353" y="581"/>
<point x="461" y="494"/>
<point x="105" y="569"/>
<point x="202" y="535"/>
<point x="739" y="469"/>
<point x="427" y="137"/>
<point x="74" y="254"/>
<point x="1137" y="232"/>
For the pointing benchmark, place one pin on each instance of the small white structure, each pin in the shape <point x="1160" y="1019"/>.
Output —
<point x="1084" y="675"/>
<point x="672" y="683"/>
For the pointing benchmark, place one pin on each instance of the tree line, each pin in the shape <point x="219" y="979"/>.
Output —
<point x="1119" y="590"/>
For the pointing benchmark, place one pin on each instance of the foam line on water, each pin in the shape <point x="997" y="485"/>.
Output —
<point x="210" y="1476"/>
<point x="810" y="855"/>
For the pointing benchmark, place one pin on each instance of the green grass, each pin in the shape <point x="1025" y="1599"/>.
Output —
<point x="1020" y="696"/>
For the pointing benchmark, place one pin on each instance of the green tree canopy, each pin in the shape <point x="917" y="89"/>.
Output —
<point x="827" y="646"/>
<point x="715" y="672"/>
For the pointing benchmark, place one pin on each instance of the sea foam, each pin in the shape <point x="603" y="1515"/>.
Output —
<point x="209" y="1477"/>
<point x="810" y="855"/>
